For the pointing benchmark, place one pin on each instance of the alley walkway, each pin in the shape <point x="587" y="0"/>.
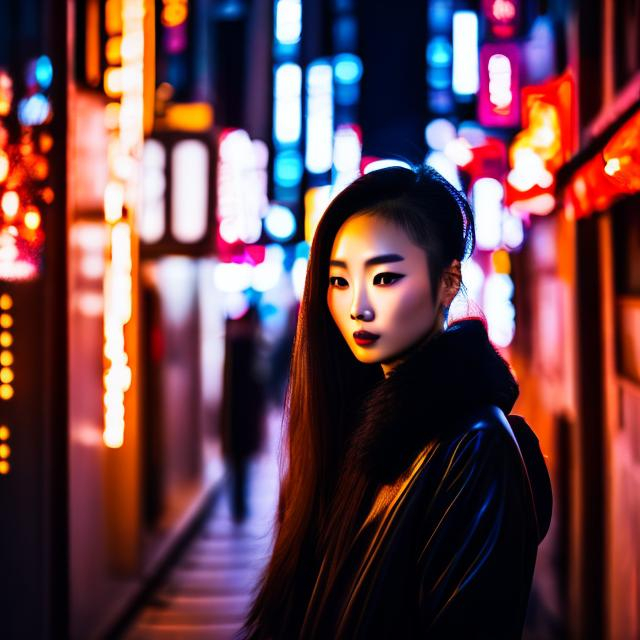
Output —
<point x="205" y="596"/>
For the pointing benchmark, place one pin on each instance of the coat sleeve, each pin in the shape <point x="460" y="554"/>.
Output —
<point x="478" y="541"/>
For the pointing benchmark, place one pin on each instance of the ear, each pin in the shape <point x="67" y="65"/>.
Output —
<point x="450" y="283"/>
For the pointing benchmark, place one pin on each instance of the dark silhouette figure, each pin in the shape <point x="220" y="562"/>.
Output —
<point x="242" y="406"/>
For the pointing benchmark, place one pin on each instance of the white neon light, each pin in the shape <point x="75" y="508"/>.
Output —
<point x="499" y="310"/>
<point x="487" y="196"/>
<point x="288" y="21"/>
<point x="242" y="187"/>
<point x="151" y="222"/>
<point x="189" y="190"/>
<point x="319" y="147"/>
<point x="466" y="78"/>
<point x="288" y="106"/>
<point x="500" y="94"/>
<point x="117" y="313"/>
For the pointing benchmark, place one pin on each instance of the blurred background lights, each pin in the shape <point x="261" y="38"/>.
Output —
<point x="236" y="304"/>
<point x="459" y="151"/>
<point x="298" y="275"/>
<point x="445" y="167"/>
<point x="288" y="27"/>
<point x="487" y="196"/>
<point x="512" y="231"/>
<point x="34" y="111"/>
<point x="231" y="277"/>
<point x="288" y="107"/>
<point x="4" y="166"/>
<point x="500" y="81"/>
<point x="32" y="219"/>
<point x="439" y="54"/>
<point x="10" y="203"/>
<point x="439" y="132"/>
<point x="288" y="168"/>
<point x="347" y="68"/>
<point x="266" y="275"/>
<point x="319" y="129"/>
<point x="280" y="223"/>
<point x="466" y="78"/>
<point x="189" y="190"/>
<point x="44" y="72"/>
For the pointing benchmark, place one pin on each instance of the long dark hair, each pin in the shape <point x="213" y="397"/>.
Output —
<point x="327" y="384"/>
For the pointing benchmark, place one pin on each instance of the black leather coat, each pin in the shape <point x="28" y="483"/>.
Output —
<point x="459" y="499"/>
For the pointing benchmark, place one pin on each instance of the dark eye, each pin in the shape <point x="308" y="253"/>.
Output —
<point x="338" y="281"/>
<point x="387" y="278"/>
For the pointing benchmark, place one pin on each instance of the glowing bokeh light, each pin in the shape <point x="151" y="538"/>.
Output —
<point x="288" y="21"/>
<point x="288" y="105"/>
<point x="439" y="132"/>
<point x="280" y="223"/>
<point x="189" y="190"/>
<point x="487" y="194"/>
<point x="466" y="78"/>
<point x="32" y="219"/>
<point x="319" y="123"/>
<point x="10" y="204"/>
<point x="44" y="72"/>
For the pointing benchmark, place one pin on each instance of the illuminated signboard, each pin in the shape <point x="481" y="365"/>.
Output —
<point x="242" y="200"/>
<point x="178" y="185"/>
<point x="542" y="147"/>
<point x="503" y="17"/>
<point x="499" y="96"/>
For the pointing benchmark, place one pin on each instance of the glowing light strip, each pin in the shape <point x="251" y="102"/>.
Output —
<point x="466" y="77"/>
<point x="122" y="194"/>
<point x="6" y="375"/>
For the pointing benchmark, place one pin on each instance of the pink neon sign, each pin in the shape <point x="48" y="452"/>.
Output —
<point x="499" y="95"/>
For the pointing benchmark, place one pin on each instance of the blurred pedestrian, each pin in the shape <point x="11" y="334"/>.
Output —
<point x="243" y="405"/>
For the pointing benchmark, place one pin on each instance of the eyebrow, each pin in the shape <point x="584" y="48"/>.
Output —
<point x="383" y="259"/>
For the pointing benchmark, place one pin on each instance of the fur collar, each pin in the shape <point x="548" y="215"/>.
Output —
<point x="429" y="395"/>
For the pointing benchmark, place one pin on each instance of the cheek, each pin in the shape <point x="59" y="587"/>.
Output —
<point x="409" y="313"/>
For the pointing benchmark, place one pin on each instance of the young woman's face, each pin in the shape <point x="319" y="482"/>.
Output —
<point x="379" y="291"/>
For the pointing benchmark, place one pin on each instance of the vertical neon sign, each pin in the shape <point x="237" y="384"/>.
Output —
<point x="121" y="204"/>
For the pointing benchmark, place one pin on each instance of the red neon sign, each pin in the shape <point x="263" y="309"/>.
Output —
<point x="503" y="17"/>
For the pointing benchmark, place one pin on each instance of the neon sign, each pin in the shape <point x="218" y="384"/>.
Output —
<point x="121" y="204"/>
<point x="503" y="17"/>
<point x="499" y="96"/>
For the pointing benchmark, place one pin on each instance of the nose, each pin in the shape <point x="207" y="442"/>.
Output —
<point x="360" y="309"/>
<point x="360" y="306"/>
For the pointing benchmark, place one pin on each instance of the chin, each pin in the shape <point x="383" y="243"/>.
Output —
<point x="369" y="356"/>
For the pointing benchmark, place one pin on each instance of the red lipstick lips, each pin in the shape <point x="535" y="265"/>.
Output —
<point x="364" y="338"/>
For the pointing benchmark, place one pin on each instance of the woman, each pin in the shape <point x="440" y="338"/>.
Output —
<point x="410" y="506"/>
